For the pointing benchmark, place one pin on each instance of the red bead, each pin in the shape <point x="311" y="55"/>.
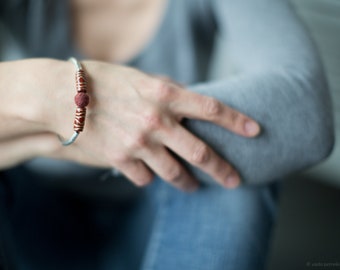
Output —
<point x="82" y="99"/>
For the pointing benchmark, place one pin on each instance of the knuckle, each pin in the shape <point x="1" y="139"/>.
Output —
<point x="200" y="154"/>
<point x="211" y="107"/>
<point x="152" y="120"/>
<point x="173" y="174"/>
<point x="164" y="91"/>
<point x="234" y="116"/>
<point x="119" y="159"/>
<point x="136" y="142"/>
<point x="225" y="170"/>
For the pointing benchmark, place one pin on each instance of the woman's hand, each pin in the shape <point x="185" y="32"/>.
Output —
<point x="133" y="125"/>
<point x="133" y="121"/>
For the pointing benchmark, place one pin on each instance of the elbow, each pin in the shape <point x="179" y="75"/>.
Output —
<point x="326" y="142"/>
<point x="318" y="107"/>
<point x="309" y="119"/>
<point x="325" y="138"/>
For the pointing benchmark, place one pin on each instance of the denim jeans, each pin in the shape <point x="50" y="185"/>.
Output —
<point x="160" y="228"/>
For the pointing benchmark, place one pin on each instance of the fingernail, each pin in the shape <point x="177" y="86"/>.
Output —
<point x="251" y="128"/>
<point x="232" y="181"/>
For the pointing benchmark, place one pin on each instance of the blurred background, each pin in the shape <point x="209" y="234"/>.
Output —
<point x="307" y="235"/>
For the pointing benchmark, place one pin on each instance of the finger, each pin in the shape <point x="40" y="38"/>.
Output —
<point x="199" y="154"/>
<point x="136" y="171"/>
<point x="161" y="161"/>
<point x="193" y="105"/>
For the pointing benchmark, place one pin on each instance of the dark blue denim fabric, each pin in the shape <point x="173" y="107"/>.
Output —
<point x="44" y="227"/>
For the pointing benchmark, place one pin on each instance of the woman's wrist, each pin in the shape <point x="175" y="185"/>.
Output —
<point x="19" y="110"/>
<point x="59" y="108"/>
<point x="37" y="95"/>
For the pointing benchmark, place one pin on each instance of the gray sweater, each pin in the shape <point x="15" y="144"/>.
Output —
<point x="275" y="75"/>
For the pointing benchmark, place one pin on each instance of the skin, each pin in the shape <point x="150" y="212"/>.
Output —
<point x="133" y="119"/>
<point x="114" y="30"/>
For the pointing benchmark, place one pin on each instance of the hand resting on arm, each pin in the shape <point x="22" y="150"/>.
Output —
<point x="133" y="121"/>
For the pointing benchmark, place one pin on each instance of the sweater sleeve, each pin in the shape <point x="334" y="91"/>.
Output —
<point x="278" y="80"/>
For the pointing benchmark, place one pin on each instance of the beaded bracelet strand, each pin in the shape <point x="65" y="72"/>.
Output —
<point x="81" y="99"/>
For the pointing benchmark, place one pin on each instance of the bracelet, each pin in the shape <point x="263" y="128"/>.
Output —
<point x="81" y="99"/>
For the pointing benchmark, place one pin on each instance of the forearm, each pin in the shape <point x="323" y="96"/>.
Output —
<point x="27" y="109"/>
<point x="26" y="97"/>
